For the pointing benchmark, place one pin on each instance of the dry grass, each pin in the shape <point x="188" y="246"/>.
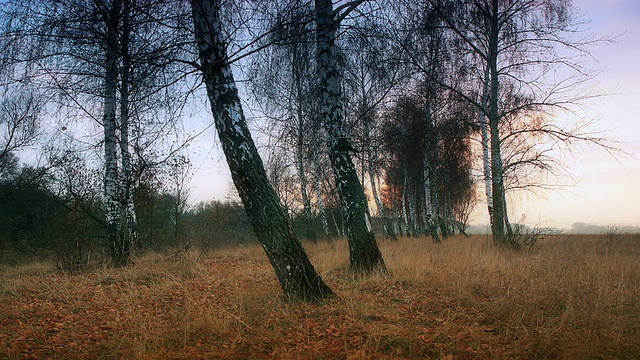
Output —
<point x="570" y="297"/>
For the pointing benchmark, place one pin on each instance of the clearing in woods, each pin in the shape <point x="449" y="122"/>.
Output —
<point x="568" y="297"/>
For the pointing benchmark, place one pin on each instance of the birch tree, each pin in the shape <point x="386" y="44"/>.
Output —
<point x="364" y="254"/>
<point x="120" y="247"/>
<point x="296" y="274"/>
<point x="510" y="69"/>
<point x="516" y="43"/>
<point x="102" y="60"/>
<point x="79" y="37"/>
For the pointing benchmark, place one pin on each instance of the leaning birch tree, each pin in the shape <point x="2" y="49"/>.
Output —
<point x="297" y="276"/>
<point x="364" y="254"/>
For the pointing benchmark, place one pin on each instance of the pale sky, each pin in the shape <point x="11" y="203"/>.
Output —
<point x="607" y="189"/>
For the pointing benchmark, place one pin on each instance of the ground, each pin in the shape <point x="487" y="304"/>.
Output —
<point x="567" y="298"/>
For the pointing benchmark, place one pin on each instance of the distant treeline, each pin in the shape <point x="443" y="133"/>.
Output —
<point x="576" y="228"/>
<point x="585" y="228"/>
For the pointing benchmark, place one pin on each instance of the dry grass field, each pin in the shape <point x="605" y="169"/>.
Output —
<point x="570" y="297"/>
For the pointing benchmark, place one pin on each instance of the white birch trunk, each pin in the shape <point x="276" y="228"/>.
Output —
<point x="484" y="130"/>
<point x="497" y="183"/>
<point x="364" y="255"/>
<point x="296" y="274"/>
<point x="411" y="199"/>
<point x="112" y="205"/>
<point x="132" y="233"/>
<point x="120" y="250"/>
<point x="430" y="216"/>
<point x="311" y="235"/>
<point x="405" y="190"/>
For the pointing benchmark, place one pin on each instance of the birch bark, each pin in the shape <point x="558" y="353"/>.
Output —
<point x="430" y="216"/>
<point x="405" y="188"/>
<point x="308" y="216"/>
<point x="131" y="235"/>
<point x="296" y="274"/>
<point x="411" y="200"/>
<point x="119" y="247"/>
<point x="431" y="212"/>
<point x="499" y="202"/>
<point x="364" y="255"/>
<point x="484" y="129"/>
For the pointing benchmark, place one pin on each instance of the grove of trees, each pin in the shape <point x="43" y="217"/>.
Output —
<point x="383" y="117"/>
